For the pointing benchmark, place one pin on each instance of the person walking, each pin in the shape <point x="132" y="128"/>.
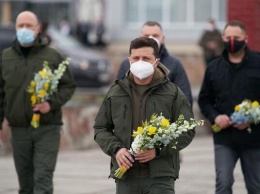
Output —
<point x="35" y="150"/>
<point x="176" y="74"/>
<point x="145" y="90"/>
<point x="211" y="42"/>
<point x="229" y="79"/>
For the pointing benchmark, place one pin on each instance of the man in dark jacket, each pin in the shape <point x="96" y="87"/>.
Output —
<point x="177" y="73"/>
<point x="35" y="150"/>
<point x="132" y="100"/>
<point x="230" y="79"/>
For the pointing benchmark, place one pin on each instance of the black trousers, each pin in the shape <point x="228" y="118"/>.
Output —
<point x="145" y="185"/>
<point x="35" y="154"/>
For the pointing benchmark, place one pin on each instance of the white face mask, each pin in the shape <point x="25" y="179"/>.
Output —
<point x="142" y="69"/>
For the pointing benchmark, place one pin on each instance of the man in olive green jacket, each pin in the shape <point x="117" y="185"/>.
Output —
<point x="34" y="149"/>
<point x="145" y="91"/>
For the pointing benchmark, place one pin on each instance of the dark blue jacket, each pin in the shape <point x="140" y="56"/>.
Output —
<point x="226" y="85"/>
<point x="177" y="73"/>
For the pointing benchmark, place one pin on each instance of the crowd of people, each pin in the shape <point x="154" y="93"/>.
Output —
<point x="150" y="81"/>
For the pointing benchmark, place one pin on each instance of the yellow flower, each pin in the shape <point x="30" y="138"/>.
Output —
<point x="255" y="104"/>
<point x="43" y="73"/>
<point x="30" y="90"/>
<point x="46" y="86"/>
<point x="151" y="130"/>
<point x="237" y="108"/>
<point x="164" y="123"/>
<point x="139" y="131"/>
<point x="42" y="93"/>
<point x="33" y="99"/>
<point x="33" y="84"/>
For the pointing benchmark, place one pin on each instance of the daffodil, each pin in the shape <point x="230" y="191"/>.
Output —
<point x="42" y="94"/>
<point x="33" y="99"/>
<point x="255" y="104"/>
<point x="139" y="131"/>
<point x="165" y="123"/>
<point x="46" y="86"/>
<point x="237" y="108"/>
<point x="151" y="130"/>
<point x="43" y="73"/>
<point x="33" y="84"/>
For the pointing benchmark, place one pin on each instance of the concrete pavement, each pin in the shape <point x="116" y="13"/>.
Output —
<point x="86" y="171"/>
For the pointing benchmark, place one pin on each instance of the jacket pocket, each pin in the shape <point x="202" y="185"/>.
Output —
<point x="49" y="118"/>
<point x="221" y="86"/>
<point x="120" y="113"/>
<point x="159" y="103"/>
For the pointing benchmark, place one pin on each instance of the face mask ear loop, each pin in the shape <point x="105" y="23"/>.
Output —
<point x="154" y="63"/>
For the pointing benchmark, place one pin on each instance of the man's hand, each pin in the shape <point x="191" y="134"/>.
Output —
<point x="123" y="157"/>
<point x="223" y="121"/>
<point x="145" y="155"/>
<point x="43" y="107"/>
<point x="242" y="126"/>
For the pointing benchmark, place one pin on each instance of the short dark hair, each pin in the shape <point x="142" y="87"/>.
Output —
<point x="236" y="23"/>
<point x="152" y="23"/>
<point x="145" y="42"/>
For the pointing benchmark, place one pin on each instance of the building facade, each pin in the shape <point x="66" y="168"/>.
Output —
<point x="182" y="20"/>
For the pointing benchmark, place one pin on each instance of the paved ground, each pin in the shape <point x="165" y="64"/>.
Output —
<point x="86" y="171"/>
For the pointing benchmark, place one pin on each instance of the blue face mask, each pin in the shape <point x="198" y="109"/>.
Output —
<point x="25" y="36"/>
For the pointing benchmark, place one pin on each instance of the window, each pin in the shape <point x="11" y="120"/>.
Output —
<point x="222" y="10"/>
<point x="202" y="10"/>
<point x="181" y="11"/>
<point x="178" y="10"/>
<point x="132" y="11"/>
<point x="154" y="10"/>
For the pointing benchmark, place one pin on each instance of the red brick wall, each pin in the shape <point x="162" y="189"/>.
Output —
<point x="247" y="11"/>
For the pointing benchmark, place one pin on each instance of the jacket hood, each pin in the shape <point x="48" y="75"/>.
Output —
<point x="163" y="51"/>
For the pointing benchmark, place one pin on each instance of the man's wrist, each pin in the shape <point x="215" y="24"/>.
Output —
<point x="117" y="149"/>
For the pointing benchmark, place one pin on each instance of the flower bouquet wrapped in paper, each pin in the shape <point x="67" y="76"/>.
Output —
<point x="245" y="112"/>
<point x="44" y="84"/>
<point x="156" y="133"/>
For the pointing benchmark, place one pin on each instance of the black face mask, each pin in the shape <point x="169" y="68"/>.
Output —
<point x="233" y="46"/>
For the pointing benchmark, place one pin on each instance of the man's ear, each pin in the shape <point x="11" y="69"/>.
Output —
<point x="129" y="60"/>
<point x="157" y="61"/>
<point x="246" y="38"/>
<point x="162" y="39"/>
<point x="38" y="29"/>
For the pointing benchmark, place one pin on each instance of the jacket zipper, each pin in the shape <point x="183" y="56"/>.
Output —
<point x="25" y="94"/>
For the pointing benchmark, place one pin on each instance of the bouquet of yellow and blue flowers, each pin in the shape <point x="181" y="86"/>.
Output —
<point x="44" y="84"/>
<point x="158" y="132"/>
<point x="245" y="112"/>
